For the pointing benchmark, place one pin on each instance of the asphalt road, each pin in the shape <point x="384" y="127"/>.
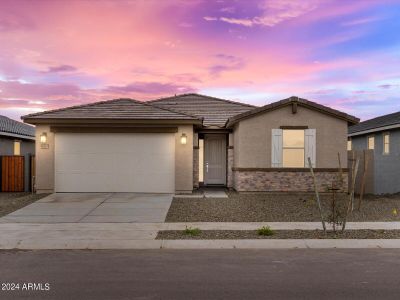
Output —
<point x="204" y="274"/>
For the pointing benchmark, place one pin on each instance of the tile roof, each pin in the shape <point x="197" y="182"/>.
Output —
<point x="8" y="125"/>
<point x="376" y="123"/>
<point x="299" y="101"/>
<point x="128" y="109"/>
<point x="214" y="111"/>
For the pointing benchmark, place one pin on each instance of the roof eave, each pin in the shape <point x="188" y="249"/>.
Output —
<point x="15" y="135"/>
<point x="37" y="121"/>
<point x="286" y="102"/>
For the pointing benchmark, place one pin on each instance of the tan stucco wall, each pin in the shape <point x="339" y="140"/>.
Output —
<point x="44" y="161"/>
<point x="252" y="137"/>
<point x="183" y="161"/>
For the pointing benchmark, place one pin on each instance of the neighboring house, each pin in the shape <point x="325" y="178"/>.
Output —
<point x="176" y="144"/>
<point x="17" y="138"/>
<point x="381" y="136"/>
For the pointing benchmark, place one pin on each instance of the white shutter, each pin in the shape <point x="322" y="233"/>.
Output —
<point x="276" y="151"/>
<point x="310" y="145"/>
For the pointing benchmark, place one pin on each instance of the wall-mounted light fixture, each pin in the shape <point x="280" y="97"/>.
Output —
<point x="183" y="139"/>
<point x="43" y="138"/>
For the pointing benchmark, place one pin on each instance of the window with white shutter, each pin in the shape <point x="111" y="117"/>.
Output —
<point x="276" y="151"/>
<point x="310" y="145"/>
<point x="291" y="148"/>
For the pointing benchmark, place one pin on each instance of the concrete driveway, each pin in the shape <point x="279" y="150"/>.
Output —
<point x="94" y="208"/>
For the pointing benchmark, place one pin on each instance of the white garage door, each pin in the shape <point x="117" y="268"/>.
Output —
<point x="115" y="162"/>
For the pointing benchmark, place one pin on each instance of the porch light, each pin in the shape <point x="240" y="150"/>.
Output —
<point x="183" y="139"/>
<point x="43" y="138"/>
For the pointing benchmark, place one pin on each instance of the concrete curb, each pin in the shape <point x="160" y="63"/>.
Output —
<point x="60" y="244"/>
<point x="142" y="236"/>
<point x="201" y="225"/>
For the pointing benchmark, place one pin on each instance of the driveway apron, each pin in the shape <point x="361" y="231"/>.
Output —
<point x="94" y="208"/>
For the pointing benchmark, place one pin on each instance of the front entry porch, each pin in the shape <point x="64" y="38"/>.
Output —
<point x="210" y="160"/>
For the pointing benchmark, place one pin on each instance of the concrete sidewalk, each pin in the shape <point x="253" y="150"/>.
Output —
<point x="142" y="236"/>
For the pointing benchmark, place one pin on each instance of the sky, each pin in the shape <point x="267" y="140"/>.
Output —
<point x="341" y="53"/>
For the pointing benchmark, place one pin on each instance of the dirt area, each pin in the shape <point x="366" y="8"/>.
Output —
<point x="10" y="202"/>
<point x="282" y="207"/>
<point x="278" y="234"/>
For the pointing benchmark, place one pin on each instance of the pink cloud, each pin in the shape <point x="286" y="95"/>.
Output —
<point x="361" y="21"/>
<point x="244" y="22"/>
<point x="273" y="12"/>
<point x="61" y="68"/>
<point x="16" y="89"/>
<point x="152" y="88"/>
<point x="71" y="52"/>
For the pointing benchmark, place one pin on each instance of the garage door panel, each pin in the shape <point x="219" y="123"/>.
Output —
<point x="125" y="162"/>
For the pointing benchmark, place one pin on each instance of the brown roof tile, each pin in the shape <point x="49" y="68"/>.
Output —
<point x="214" y="111"/>
<point x="376" y="123"/>
<point x="112" y="109"/>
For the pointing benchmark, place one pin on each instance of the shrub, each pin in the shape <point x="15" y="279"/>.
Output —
<point x="192" y="231"/>
<point x="265" y="230"/>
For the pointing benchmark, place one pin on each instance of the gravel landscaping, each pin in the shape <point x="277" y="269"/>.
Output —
<point x="10" y="202"/>
<point x="278" y="234"/>
<point x="283" y="207"/>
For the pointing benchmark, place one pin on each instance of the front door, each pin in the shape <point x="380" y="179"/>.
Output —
<point x="214" y="159"/>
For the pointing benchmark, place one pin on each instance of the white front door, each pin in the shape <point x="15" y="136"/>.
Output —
<point x="115" y="162"/>
<point x="214" y="159"/>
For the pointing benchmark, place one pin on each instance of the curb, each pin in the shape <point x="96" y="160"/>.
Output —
<point x="59" y="244"/>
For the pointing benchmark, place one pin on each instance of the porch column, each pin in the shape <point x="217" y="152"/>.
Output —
<point x="196" y="160"/>
<point x="229" y="181"/>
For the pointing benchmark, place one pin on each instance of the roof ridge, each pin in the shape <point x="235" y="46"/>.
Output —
<point x="171" y="110"/>
<point x="205" y="96"/>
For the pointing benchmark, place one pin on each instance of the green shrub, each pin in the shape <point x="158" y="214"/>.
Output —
<point x="265" y="230"/>
<point x="192" y="231"/>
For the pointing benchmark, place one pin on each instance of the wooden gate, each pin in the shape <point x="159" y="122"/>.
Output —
<point x="12" y="173"/>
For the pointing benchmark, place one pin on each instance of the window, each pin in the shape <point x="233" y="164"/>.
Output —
<point x="349" y="145"/>
<point x="371" y="143"/>
<point x="293" y="148"/>
<point x="17" y="148"/>
<point x="386" y="143"/>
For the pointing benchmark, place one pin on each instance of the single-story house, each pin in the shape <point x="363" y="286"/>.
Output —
<point x="16" y="139"/>
<point x="381" y="136"/>
<point x="175" y="144"/>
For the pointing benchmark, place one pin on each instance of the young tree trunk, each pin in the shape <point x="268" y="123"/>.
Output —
<point x="317" y="194"/>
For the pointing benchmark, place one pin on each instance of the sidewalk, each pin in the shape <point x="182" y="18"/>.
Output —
<point x="142" y="236"/>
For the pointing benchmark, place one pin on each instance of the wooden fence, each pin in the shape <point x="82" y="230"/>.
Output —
<point x="12" y="173"/>
<point x="365" y="174"/>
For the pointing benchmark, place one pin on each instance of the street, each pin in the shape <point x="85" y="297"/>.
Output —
<point x="202" y="274"/>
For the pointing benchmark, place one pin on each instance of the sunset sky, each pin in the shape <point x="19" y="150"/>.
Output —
<point x="340" y="53"/>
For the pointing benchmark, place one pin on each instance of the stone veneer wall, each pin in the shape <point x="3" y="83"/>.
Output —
<point x="229" y="181"/>
<point x="284" y="181"/>
<point x="195" y="167"/>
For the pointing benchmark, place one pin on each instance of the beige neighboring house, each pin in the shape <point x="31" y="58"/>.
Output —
<point x="176" y="144"/>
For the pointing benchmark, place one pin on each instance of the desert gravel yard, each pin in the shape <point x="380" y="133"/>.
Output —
<point x="283" y="207"/>
<point x="10" y="202"/>
<point x="278" y="234"/>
